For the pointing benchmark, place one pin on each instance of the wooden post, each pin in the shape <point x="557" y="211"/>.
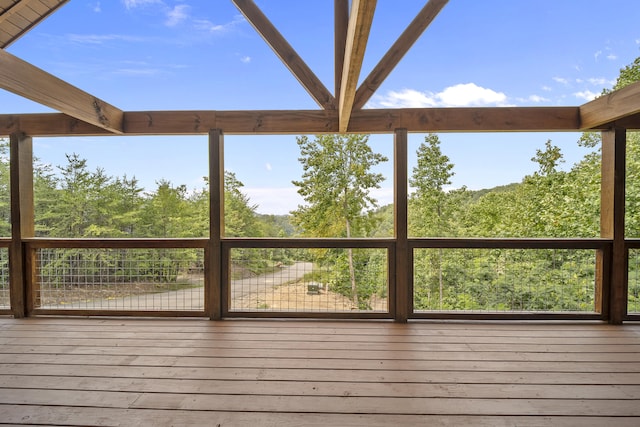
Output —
<point x="403" y="257"/>
<point x="214" y="283"/>
<point x="22" y="220"/>
<point x="612" y="221"/>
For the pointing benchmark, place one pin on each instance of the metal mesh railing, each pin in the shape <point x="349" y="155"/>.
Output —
<point x="308" y="280"/>
<point x="129" y="279"/>
<point x="634" y="282"/>
<point x="5" y="302"/>
<point x="504" y="280"/>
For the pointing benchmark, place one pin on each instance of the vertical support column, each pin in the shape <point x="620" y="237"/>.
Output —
<point x="612" y="220"/>
<point x="22" y="220"/>
<point x="403" y="257"/>
<point x="216" y="225"/>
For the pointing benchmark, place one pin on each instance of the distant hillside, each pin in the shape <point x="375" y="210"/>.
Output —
<point x="476" y="194"/>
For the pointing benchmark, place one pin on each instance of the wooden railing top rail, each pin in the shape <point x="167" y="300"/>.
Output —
<point x="510" y="243"/>
<point x="262" y="242"/>
<point x="38" y="242"/>
<point x="5" y="242"/>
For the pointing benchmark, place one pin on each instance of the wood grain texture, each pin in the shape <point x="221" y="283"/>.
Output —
<point x="286" y="53"/>
<point x="255" y="122"/>
<point x="395" y="53"/>
<point x="58" y="371"/>
<point x="24" y="79"/>
<point x="360" y="20"/>
<point x="611" y="107"/>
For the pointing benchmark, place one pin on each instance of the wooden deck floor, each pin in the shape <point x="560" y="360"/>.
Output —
<point x="67" y="371"/>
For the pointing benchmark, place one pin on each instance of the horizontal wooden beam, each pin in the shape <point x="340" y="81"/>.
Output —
<point x="611" y="107"/>
<point x="20" y="77"/>
<point x="47" y="124"/>
<point x="232" y="122"/>
<point x="482" y="119"/>
<point x="286" y="53"/>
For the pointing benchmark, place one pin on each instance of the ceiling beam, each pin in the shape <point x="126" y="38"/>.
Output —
<point x="393" y="56"/>
<point x="286" y="53"/>
<point x="279" y="122"/>
<point x="611" y="107"/>
<point x="341" y="24"/>
<point x="17" y="8"/>
<point x="28" y="81"/>
<point x="360" y="19"/>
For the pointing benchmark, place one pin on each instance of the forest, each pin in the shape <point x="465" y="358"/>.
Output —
<point x="72" y="201"/>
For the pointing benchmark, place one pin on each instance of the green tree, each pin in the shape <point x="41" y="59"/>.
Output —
<point x="5" y="204"/>
<point x="432" y="208"/>
<point x="336" y="185"/>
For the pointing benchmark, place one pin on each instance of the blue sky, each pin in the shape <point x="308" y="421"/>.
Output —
<point x="188" y="54"/>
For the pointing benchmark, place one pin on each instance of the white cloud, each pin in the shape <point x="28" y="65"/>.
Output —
<point x="245" y="59"/>
<point x="268" y="166"/>
<point x="546" y="88"/>
<point x="538" y="98"/>
<point x="600" y="81"/>
<point x="469" y="94"/>
<point x="177" y="15"/>
<point x="460" y="95"/>
<point x="208" y="26"/>
<point x="612" y="57"/>
<point x="587" y="95"/>
<point x="131" y="4"/>
<point x="97" y="8"/>
<point x="408" y="98"/>
<point x="98" y="39"/>
<point x="597" y="55"/>
<point x="561" y="80"/>
<point x="277" y="201"/>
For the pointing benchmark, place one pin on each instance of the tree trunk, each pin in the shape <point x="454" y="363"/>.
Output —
<point x="352" y="272"/>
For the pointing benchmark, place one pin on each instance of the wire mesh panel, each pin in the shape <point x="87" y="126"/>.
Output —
<point x="504" y="280"/>
<point x="634" y="282"/>
<point x="163" y="279"/>
<point x="5" y="303"/>
<point x="308" y="280"/>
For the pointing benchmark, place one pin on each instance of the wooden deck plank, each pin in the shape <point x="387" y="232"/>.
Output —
<point x="77" y="371"/>
<point x="322" y="404"/>
<point x="75" y="416"/>
<point x="308" y="388"/>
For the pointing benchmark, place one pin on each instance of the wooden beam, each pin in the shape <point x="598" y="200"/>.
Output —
<point x="385" y="121"/>
<point x="393" y="56"/>
<point x="341" y="24"/>
<point x="286" y="53"/>
<point x="24" y="79"/>
<point x="612" y="219"/>
<point x="360" y="19"/>
<point x="22" y="219"/>
<point x="19" y="6"/>
<point x="485" y="119"/>
<point x="403" y="259"/>
<point x="233" y="122"/>
<point x="47" y="124"/>
<point x="611" y="107"/>
<point x="214" y="286"/>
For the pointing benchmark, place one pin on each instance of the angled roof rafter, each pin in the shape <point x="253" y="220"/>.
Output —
<point x="397" y="51"/>
<point x="11" y="14"/>
<point x="341" y="24"/>
<point x="20" y="77"/>
<point x="611" y="107"/>
<point x="286" y="53"/>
